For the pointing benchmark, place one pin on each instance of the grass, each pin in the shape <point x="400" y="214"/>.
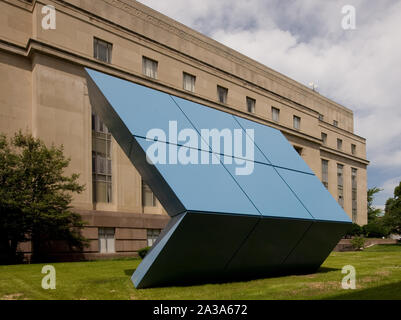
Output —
<point x="378" y="276"/>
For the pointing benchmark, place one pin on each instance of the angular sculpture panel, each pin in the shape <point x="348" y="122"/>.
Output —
<point x="224" y="226"/>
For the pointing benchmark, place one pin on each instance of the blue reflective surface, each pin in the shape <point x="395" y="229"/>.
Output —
<point x="275" y="146"/>
<point x="203" y="117"/>
<point x="269" y="193"/>
<point x="202" y="187"/>
<point x="142" y="108"/>
<point x="314" y="196"/>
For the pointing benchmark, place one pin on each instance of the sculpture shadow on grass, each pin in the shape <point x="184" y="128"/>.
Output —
<point x="321" y="270"/>
<point x="129" y="272"/>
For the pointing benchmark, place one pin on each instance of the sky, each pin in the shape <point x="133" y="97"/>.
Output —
<point x="304" y="39"/>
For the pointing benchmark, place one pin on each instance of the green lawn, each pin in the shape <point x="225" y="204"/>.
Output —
<point x="378" y="277"/>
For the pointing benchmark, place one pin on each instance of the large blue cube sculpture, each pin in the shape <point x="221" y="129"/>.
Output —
<point x="279" y="219"/>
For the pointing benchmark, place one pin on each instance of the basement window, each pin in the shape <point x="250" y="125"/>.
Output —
<point x="152" y="235"/>
<point x="107" y="240"/>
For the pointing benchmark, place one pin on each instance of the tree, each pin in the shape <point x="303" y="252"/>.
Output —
<point x="373" y="212"/>
<point x="12" y="219"/>
<point x="35" y="197"/>
<point x="392" y="216"/>
<point x="375" y="227"/>
<point x="354" y="230"/>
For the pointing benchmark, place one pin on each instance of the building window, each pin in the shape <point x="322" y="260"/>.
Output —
<point x="353" y="149"/>
<point x="339" y="144"/>
<point x="222" y="94"/>
<point x="102" y="50"/>
<point x="335" y="123"/>
<point x="321" y="117"/>
<point x="189" y="82"/>
<point x="340" y="184"/>
<point x="107" y="240"/>
<point x="148" y="198"/>
<point x="250" y="104"/>
<point x="324" y="138"/>
<point x="275" y="114"/>
<point x="149" y="67"/>
<point x="101" y="161"/>
<point x="297" y="123"/>
<point x="325" y="173"/>
<point x="152" y="235"/>
<point x="354" y="194"/>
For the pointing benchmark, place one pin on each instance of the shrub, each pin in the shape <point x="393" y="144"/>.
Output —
<point x="354" y="230"/>
<point x="143" y="252"/>
<point x="358" y="242"/>
<point x="375" y="229"/>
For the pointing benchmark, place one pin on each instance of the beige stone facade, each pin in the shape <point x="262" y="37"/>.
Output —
<point x="43" y="91"/>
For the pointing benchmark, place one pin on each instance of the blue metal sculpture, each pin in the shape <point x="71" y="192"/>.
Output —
<point x="224" y="226"/>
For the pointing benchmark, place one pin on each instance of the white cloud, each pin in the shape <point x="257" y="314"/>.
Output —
<point x="304" y="40"/>
<point x="388" y="187"/>
<point x="385" y="160"/>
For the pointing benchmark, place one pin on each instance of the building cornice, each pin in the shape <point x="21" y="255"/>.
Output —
<point x="343" y="155"/>
<point x="193" y="61"/>
<point x="144" y="13"/>
<point x="149" y="15"/>
<point x="333" y="128"/>
<point x="23" y="4"/>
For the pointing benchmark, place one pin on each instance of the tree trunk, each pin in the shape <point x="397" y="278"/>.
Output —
<point x="8" y="251"/>
<point x="39" y="248"/>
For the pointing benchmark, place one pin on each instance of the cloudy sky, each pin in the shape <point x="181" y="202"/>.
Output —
<point x="304" y="40"/>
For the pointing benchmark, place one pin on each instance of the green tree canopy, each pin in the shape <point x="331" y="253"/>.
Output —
<point x="35" y="197"/>
<point x="373" y="212"/>
<point x="375" y="228"/>
<point x="393" y="211"/>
